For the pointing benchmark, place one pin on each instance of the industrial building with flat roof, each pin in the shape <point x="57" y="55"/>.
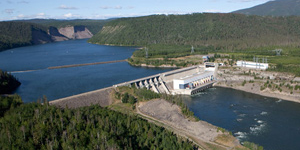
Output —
<point x="254" y="65"/>
<point x="194" y="80"/>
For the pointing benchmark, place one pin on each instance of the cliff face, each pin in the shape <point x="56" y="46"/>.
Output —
<point x="74" y="32"/>
<point x="56" y="36"/>
<point x="61" y="34"/>
<point x="81" y="32"/>
<point x="18" y="34"/>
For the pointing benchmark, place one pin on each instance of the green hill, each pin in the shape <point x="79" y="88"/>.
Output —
<point x="17" y="34"/>
<point x="274" y="8"/>
<point x="8" y="83"/>
<point x="222" y="31"/>
<point x="29" y="32"/>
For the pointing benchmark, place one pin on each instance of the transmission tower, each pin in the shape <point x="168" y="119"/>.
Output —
<point x="192" y="50"/>
<point x="146" y="50"/>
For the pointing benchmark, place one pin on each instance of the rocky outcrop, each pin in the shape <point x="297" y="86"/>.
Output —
<point x="75" y="32"/>
<point x="69" y="33"/>
<point x="17" y="34"/>
<point x="81" y="32"/>
<point x="56" y="36"/>
<point x="62" y="34"/>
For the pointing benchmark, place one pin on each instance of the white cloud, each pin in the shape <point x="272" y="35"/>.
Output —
<point x="9" y="11"/>
<point x="70" y="16"/>
<point x="66" y="7"/>
<point x="21" y="16"/>
<point x="118" y="7"/>
<point x="108" y="16"/>
<point x="40" y="15"/>
<point x="212" y="11"/>
<point x="169" y="12"/>
<point x="35" y="16"/>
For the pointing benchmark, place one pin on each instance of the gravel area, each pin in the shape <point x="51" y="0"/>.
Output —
<point x="171" y="114"/>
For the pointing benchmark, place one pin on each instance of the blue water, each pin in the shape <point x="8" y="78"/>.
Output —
<point x="60" y="53"/>
<point x="270" y="122"/>
<point x="59" y="83"/>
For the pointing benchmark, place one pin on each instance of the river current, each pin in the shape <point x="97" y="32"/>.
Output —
<point x="270" y="122"/>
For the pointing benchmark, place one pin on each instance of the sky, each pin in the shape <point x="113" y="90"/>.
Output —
<point x="104" y="9"/>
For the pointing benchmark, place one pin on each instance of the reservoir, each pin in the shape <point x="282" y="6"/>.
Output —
<point x="270" y="122"/>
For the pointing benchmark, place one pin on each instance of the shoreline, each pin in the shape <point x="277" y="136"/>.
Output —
<point x="265" y="93"/>
<point x="152" y="66"/>
<point x="200" y="132"/>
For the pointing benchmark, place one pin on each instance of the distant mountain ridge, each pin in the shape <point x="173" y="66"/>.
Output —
<point x="274" y="8"/>
<point x="38" y="31"/>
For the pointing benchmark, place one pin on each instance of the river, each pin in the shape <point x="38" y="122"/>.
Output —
<point x="270" y="122"/>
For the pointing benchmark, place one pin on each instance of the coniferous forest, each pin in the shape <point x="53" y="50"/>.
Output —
<point x="8" y="83"/>
<point x="17" y="34"/>
<point x="37" y="126"/>
<point x="222" y="31"/>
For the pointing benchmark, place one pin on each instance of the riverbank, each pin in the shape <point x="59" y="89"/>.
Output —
<point x="265" y="83"/>
<point x="266" y="93"/>
<point x="169" y="112"/>
<point x="204" y="134"/>
<point x="178" y="62"/>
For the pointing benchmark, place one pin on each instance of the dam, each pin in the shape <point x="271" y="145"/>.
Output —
<point x="185" y="81"/>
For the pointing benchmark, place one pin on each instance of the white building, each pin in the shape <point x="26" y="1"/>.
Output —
<point x="192" y="81"/>
<point x="254" y="65"/>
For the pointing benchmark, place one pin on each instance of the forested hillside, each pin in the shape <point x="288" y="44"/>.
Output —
<point x="16" y="34"/>
<point x="274" y="8"/>
<point x="36" y="126"/>
<point x="93" y="25"/>
<point x="8" y="83"/>
<point x="222" y="31"/>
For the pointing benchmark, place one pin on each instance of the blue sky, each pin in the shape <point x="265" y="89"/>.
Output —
<point x="103" y="9"/>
